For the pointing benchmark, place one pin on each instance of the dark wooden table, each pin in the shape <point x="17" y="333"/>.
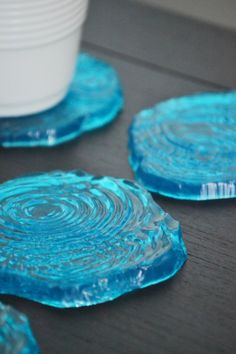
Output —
<point x="158" y="55"/>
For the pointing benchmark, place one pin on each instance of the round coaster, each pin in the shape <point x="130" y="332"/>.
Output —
<point x="15" y="333"/>
<point x="94" y="99"/>
<point x="185" y="147"/>
<point x="69" y="239"/>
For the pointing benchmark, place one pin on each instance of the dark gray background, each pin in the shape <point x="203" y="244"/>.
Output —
<point x="158" y="55"/>
<point x="221" y="13"/>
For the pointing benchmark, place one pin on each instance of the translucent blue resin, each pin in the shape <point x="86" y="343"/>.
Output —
<point x="186" y="147"/>
<point x="69" y="239"/>
<point x="94" y="99"/>
<point x="15" y="333"/>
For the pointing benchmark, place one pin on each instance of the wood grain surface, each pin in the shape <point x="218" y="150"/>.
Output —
<point x="158" y="55"/>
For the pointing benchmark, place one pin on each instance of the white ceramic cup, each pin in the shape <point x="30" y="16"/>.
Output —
<point x="37" y="65"/>
<point x="9" y="20"/>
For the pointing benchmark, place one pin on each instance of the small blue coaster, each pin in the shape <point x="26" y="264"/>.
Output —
<point x="15" y="333"/>
<point x="69" y="239"/>
<point x="94" y="99"/>
<point x="185" y="147"/>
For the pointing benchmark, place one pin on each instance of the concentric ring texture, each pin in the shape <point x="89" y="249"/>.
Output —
<point x="15" y="333"/>
<point x="94" y="99"/>
<point x="185" y="147"/>
<point x="70" y="239"/>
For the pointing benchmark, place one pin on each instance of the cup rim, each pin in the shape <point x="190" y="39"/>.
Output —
<point x="19" y="18"/>
<point x="24" y="5"/>
<point x="31" y="36"/>
<point x="31" y="43"/>
<point x="50" y="24"/>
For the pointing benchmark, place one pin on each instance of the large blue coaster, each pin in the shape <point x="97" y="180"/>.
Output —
<point x="69" y="239"/>
<point x="94" y="99"/>
<point x="15" y="333"/>
<point x="186" y="147"/>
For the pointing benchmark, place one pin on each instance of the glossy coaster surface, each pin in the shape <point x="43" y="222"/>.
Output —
<point x="15" y="333"/>
<point x="69" y="239"/>
<point x="94" y="99"/>
<point x="186" y="147"/>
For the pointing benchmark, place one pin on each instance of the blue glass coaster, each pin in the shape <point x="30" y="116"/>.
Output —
<point x="69" y="239"/>
<point x="15" y="333"/>
<point x="94" y="99"/>
<point x="185" y="147"/>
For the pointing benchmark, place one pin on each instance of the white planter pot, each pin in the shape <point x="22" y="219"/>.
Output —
<point x="36" y="67"/>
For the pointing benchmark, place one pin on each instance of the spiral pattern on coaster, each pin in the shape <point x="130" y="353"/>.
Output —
<point x="72" y="239"/>
<point x="93" y="100"/>
<point x="15" y="333"/>
<point x="186" y="147"/>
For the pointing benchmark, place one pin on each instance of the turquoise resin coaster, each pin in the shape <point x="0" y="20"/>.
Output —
<point x="69" y="239"/>
<point x="94" y="99"/>
<point x="15" y="333"/>
<point x="185" y="147"/>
